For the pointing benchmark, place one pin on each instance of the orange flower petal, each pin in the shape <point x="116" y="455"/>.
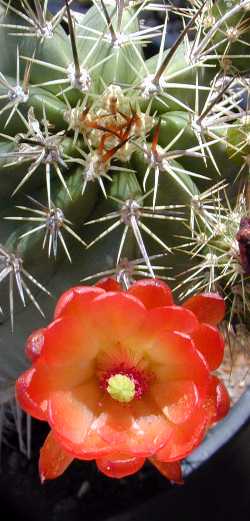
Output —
<point x="34" y="344"/>
<point x="114" y="422"/>
<point x="119" y="467"/>
<point x="175" y="358"/>
<point x="139" y="428"/>
<point x="149" y="420"/>
<point x="177" y="400"/>
<point x="210" y="343"/>
<point x="171" y="471"/>
<point x="33" y="405"/>
<point x="185" y="437"/>
<point x="38" y="383"/>
<point x="74" y="301"/>
<point x="168" y="318"/>
<point x="115" y="317"/>
<point x="208" y="307"/>
<point x="93" y="446"/>
<point x="54" y="460"/>
<point x="152" y="292"/>
<point x="222" y="399"/>
<point x="69" y="340"/>
<point x="108" y="284"/>
<point x="71" y="413"/>
<point x="217" y="403"/>
<point x="33" y="387"/>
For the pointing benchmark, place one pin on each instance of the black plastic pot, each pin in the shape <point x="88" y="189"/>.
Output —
<point x="217" y="483"/>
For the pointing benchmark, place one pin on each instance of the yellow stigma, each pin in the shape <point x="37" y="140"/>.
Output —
<point x="121" y="388"/>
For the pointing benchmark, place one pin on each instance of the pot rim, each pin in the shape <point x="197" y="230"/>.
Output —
<point x="219" y="435"/>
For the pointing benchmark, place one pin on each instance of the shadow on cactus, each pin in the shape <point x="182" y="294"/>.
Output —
<point x="108" y="157"/>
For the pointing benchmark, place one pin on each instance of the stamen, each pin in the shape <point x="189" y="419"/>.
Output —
<point x="121" y="388"/>
<point x="126" y="383"/>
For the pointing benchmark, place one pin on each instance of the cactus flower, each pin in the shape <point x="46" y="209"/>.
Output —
<point x="121" y="376"/>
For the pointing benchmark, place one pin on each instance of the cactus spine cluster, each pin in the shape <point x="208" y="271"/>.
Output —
<point x="114" y="163"/>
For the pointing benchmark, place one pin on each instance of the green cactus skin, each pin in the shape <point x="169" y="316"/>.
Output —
<point x="233" y="35"/>
<point x="108" y="157"/>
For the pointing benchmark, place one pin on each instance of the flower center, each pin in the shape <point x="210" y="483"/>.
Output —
<point x="124" y="383"/>
<point x="121" y="388"/>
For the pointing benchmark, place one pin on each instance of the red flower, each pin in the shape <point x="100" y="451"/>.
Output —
<point x="124" y="376"/>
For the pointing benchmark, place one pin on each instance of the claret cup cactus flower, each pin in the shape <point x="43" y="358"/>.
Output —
<point x="121" y="376"/>
<point x="121" y="166"/>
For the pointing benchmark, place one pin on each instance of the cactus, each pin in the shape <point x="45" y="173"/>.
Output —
<point x="115" y="163"/>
